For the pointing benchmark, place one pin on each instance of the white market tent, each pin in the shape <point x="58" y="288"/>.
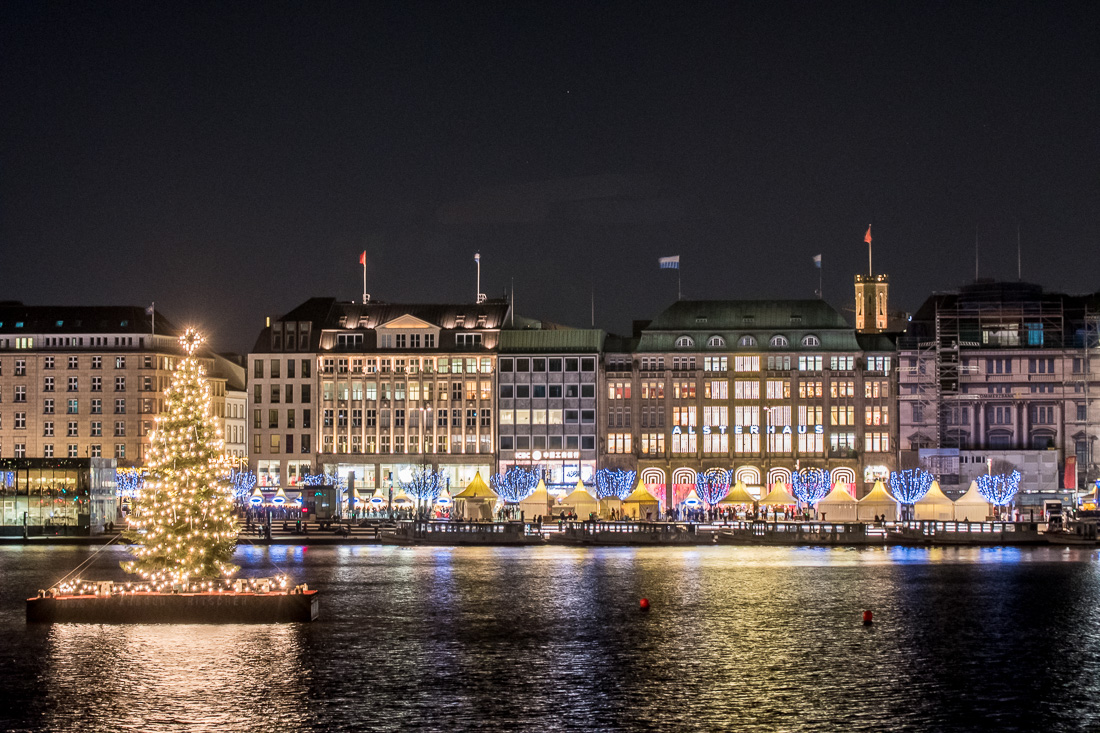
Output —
<point x="537" y="504"/>
<point x="878" y="502"/>
<point x="778" y="496"/>
<point x="476" y="500"/>
<point x="738" y="495"/>
<point x="971" y="506"/>
<point x="838" y="505"/>
<point x="935" y="506"/>
<point x="582" y="503"/>
<point x="640" y="502"/>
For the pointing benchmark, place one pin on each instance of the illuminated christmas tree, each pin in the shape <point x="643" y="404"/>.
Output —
<point x="183" y="523"/>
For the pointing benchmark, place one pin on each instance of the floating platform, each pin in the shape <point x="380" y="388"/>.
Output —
<point x="455" y="533"/>
<point x="227" y="607"/>
<point x="927" y="532"/>
<point x="827" y="534"/>
<point x="630" y="534"/>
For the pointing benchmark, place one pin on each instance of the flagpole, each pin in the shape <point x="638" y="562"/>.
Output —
<point x="153" y="320"/>
<point x="820" y="285"/>
<point x="679" y="292"/>
<point x="870" y="270"/>
<point x="364" y="281"/>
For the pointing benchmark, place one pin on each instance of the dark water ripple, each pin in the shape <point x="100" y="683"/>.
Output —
<point x="746" y="639"/>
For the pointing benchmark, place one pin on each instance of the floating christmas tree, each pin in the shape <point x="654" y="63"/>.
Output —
<point x="183" y="521"/>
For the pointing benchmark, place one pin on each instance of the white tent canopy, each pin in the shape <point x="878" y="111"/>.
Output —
<point x="971" y="506"/>
<point x="935" y="506"/>
<point x="537" y="504"/>
<point x="838" y="505"/>
<point x="878" y="502"/>
<point x="580" y="501"/>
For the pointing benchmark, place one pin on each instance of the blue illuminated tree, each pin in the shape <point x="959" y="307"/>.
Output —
<point x="811" y="486"/>
<point x="515" y="484"/>
<point x="911" y="485"/>
<point x="243" y="482"/>
<point x="425" y="483"/>
<point x="614" y="483"/>
<point x="128" y="482"/>
<point x="712" y="486"/>
<point x="999" y="489"/>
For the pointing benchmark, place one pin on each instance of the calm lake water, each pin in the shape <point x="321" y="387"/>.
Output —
<point x="754" y="639"/>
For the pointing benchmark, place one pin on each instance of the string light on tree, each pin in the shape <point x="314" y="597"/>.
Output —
<point x="999" y="489"/>
<point x="614" y="483"/>
<point x="183" y="523"/>
<point x="424" y="484"/>
<point x="811" y="486"/>
<point x="515" y="484"/>
<point x="911" y="485"/>
<point x="712" y="486"/>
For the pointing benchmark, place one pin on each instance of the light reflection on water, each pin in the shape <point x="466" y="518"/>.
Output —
<point x="755" y="639"/>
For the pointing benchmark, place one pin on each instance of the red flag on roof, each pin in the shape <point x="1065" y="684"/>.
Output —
<point x="363" y="258"/>
<point x="867" y="236"/>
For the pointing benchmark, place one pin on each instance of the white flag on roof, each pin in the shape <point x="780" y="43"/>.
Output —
<point x="669" y="263"/>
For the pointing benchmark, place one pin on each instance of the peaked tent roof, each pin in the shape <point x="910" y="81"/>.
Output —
<point x="640" y="495"/>
<point x="778" y="495"/>
<point x="579" y="496"/>
<point x="972" y="497"/>
<point x="476" y="489"/>
<point x="738" y="495"/>
<point x="839" y="495"/>
<point x="878" y="495"/>
<point x="935" y="495"/>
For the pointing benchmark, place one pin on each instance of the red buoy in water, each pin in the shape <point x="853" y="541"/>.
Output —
<point x="644" y="604"/>
<point x="868" y="618"/>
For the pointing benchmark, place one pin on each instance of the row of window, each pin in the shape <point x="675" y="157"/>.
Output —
<point x="776" y="341"/>
<point x="72" y="406"/>
<point x="548" y="442"/>
<point x="547" y="364"/>
<point x="49" y="362"/>
<point x="94" y="450"/>
<point x="72" y="429"/>
<point x="1000" y="414"/>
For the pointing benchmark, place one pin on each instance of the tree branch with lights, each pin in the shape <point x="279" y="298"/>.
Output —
<point x="183" y="523"/>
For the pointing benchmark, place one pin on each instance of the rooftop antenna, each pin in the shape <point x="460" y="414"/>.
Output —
<point x="513" y="301"/>
<point x="480" y="295"/>
<point x="593" y="306"/>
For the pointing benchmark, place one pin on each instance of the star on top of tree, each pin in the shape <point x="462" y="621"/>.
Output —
<point x="191" y="340"/>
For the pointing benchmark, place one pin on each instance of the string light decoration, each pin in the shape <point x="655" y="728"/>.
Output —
<point x="812" y="485"/>
<point x="910" y="486"/>
<point x="614" y="483"/>
<point x="515" y="484"/>
<point x="243" y="482"/>
<point x="128" y="482"/>
<point x="999" y="489"/>
<point x="424" y="484"/>
<point x="712" y="486"/>
<point x="183" y="525"/>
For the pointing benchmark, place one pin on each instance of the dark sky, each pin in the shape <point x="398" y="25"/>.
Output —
<point x="230" y="160"/>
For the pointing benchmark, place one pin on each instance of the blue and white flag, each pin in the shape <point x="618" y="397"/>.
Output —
<point x="817" y="260"/>
<point x="669" y="263"/>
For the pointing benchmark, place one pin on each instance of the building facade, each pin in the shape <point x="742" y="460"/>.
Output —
<point x="547" y="408"/>
<point x="88" y="381"/>
<point x="370" y="392"/>
<point x="999" y="376"/>
<point x="758" y="388"/>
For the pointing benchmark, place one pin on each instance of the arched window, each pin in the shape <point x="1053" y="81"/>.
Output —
<point x="747" y="341"/>
<point x="716" y="342"/>
<point x="811" y="340"/>
<point x="685" y="342"/>
<point x="779" y="340"/>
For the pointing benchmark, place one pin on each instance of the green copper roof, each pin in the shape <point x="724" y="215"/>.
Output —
<point x="732" y="320"/>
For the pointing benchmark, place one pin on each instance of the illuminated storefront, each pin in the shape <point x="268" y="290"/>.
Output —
<point x="56" y="496"/>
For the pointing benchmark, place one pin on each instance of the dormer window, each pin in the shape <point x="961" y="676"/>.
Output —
<point x="747" y="341"/>
<point x="716" y="342"/>
<point x="685" y="342"/>
<point x="811" y="340"/>
<point x="796" y="320"/>
<point x="779" y="341"/>
<point x="460" y="320"/>
<point x="748" y="320"/>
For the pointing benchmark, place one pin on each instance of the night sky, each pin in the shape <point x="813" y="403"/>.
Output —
<point x="230" y="160"/>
